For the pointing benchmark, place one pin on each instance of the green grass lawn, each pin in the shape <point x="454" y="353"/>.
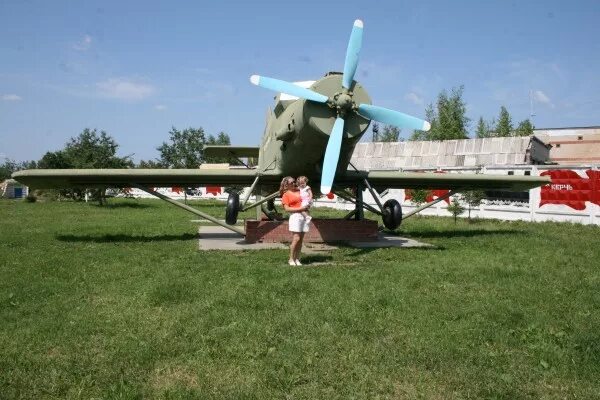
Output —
<point x="117" y="302"/>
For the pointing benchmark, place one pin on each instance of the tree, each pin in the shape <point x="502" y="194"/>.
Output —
<point x="419" y="196"/>
<point x="431" y="117"/>
<point x="484" y="129"/>
<point x="390" y="133"/>
<point x="150" y="164"/>
<point x="7" y="168"/>
<point x="473" y="199"/>
<point x="449" y="121"/>
<point x="452" y="117"/>
<point x="184" y="150"/>
<point x="10" y="166"/>
<point x="525" y="128"/>
<point x="55" y="160"/>
<point x="504" y="128"/>
<point x="222" y="139"/>
<point x="455" y="208"/>
<point x="88" y="150"/>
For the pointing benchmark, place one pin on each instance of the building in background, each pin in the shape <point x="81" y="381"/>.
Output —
<point x="11" y="189"/>
<point x="572" y="146"/>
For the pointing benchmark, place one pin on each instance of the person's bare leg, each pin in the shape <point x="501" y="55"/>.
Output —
<point x="299" y="246"/>
<point x="294" y="245"/>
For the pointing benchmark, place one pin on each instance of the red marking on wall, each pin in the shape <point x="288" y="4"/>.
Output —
<point x="176" y="189"/>
<point x="432" y="195"/>
<point x="571" y="189"/>
<point x="214" y="190"/>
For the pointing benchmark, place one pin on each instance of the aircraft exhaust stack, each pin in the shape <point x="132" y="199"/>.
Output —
<point x="344" y="104"/>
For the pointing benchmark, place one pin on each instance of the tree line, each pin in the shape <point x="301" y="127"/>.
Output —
<point x="97" y="149"/>
<point x="448" y="119"/>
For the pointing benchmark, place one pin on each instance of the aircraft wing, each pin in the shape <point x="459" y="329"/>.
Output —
<point x="427" y="180"/>
<point x="87" y="178"/>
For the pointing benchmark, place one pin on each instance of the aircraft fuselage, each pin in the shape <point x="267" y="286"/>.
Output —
<point x="297" y="131"/>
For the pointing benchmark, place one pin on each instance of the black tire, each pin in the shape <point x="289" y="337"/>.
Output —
<point x="232" y="209"/>
<point x="392" y="214"/>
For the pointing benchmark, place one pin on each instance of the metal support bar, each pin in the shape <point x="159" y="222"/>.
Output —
<point x="190" y="209"/>
<point x="374" y="195"/>
<point x="360" y="212"/>
<point x="431" y="203"/>
<point x="350" y="214"/>
<point x="258" y="203"/>
<point x="347" y="197"/>
<point x="250" y="192"/>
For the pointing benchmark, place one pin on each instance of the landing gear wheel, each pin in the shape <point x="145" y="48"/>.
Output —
<point x="232" y="209"/>
<point x="392" y="214"/>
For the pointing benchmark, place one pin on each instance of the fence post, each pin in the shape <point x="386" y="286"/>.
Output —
<point x="534" y="196"/>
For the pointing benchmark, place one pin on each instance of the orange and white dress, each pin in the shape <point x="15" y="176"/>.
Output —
<point x="297" y="222"/>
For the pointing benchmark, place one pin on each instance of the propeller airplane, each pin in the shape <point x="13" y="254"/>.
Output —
<point x="312" y="131"/>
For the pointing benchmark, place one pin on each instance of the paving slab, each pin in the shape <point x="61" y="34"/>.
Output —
<point x="213" y="237"/>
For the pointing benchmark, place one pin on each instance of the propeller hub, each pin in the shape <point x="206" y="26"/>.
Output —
<point x="343" y="101"/>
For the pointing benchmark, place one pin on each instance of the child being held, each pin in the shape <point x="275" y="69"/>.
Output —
<point x="306" y="196"/>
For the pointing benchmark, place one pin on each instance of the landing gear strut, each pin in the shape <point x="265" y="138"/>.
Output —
<point x="270" y="211"/>
<point x="390" y="211"/>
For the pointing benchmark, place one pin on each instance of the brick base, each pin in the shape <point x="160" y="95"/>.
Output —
<point x="321" y="230"/>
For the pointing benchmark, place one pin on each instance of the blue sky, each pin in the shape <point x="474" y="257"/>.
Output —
<point x="136" y="68"/>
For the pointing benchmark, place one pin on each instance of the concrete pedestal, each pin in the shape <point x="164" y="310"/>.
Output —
<point x="321" y="231"/>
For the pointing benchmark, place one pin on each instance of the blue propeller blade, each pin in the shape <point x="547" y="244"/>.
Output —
<point x="392" y="117"/>
<point x="287" y="88"/>
<point x="332" y="155"/>
<point x="352" y="53"/>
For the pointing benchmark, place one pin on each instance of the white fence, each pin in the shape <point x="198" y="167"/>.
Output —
<point x="573" y="196"/>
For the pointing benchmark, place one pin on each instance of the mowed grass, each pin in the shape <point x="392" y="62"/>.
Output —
<point x="117" y="302"/>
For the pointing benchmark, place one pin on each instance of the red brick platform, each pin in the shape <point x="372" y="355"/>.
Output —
<point x="321" y="230"/>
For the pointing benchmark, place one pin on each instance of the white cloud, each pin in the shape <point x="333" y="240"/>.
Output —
<point x="11" y="97"/>
<point x="541" y="97"/>
<point x="84" y="44"/>
<point x="160" y="107"/>
<point x="124" y="89"/>
<point x="414" y="98"/>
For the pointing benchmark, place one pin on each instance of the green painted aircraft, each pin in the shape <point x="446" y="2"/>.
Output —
<point x="312" y="130"/>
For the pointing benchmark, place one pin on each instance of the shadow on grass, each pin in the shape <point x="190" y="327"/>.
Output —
<point x="460" y="233"/>
<point x="123" y="205"/>
<point x="360" y="252"/>
<point x="316" y="259"/>
<point x="125" y="238"/>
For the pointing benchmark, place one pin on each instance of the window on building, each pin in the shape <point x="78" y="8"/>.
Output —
<point x="511" y="172"/>
<point x="527" y="173"/>
<point x="579" y="137"/>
